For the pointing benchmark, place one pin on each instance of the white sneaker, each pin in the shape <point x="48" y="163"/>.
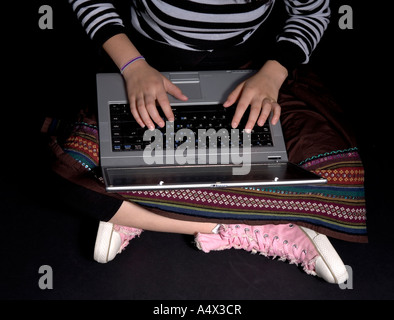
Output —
<point x="112" y="239"/>
<point x="328" y="265"/>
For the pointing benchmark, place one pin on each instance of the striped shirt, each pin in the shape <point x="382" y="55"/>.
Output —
<point x="205" y="25"/>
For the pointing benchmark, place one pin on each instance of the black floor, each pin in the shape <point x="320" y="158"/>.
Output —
<point x="37" y="231"/>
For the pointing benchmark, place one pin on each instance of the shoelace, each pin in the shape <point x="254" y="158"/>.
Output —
<point x="264" y="244"/>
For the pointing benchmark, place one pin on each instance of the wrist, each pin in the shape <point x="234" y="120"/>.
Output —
<point x="278" y="68"/>
<point x="277" y="72"/>
<point x="130" y="62"/>
<point x="134" y="67"/>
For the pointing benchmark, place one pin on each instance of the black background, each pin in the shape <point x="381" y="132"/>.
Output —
<point x="52" y="72"/>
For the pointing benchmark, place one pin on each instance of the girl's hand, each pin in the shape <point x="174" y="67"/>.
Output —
<point x="260" y="92"/>
<point x="147" y="87"/>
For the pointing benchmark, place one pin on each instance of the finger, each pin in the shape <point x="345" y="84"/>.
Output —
<point x="140" y="104"/>
<point x="276" y="113"/>
<point x="233" y="96"/>
<point x="253" y="116"/>
<point x="162" y="99"/>
<point x="265" y="111"/>
<point x="135" y="113"/>
<point x="243" y="104"/>
<point x="173" y="90"/>
<point x="150" y="105"/>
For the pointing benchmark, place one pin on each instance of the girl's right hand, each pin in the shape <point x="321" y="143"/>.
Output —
<point x="147" y="87"/>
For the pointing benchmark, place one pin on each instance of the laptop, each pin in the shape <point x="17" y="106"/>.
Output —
<point x="198" y="149"/>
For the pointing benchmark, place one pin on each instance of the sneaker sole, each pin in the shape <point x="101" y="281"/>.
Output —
<point x="332" y="261"/>
<point x="103" y="242"/>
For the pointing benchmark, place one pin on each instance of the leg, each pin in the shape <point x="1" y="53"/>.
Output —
<point x="288" y="242"/>
<point x="132" y="215"/>
<point x="127" y="223"/>
<point x="299" y="245"/>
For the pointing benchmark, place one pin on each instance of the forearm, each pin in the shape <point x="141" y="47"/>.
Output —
<point x="120" y="49"/>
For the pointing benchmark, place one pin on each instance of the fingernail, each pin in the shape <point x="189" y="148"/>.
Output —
<point x="234" y="124"/>
<point x="248" y="130"/>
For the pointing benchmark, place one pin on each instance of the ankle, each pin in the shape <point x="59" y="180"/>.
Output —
<point x="216" y="229"/>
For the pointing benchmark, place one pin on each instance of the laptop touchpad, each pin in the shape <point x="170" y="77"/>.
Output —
<point x="189" y="83"/>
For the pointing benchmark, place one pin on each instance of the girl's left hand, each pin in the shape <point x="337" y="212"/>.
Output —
<point x="260" y="92"/>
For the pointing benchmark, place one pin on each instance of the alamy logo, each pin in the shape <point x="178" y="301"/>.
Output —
<point x="46" y="19"/>
<point x="348" y="284"/>
<point x="162" y="149"/>
<point x="46" y="280"/>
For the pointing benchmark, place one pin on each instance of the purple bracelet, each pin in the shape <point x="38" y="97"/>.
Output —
<point x="130" y="62"/>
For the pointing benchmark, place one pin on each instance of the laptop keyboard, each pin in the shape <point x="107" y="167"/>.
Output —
<point x="127" y="135"/>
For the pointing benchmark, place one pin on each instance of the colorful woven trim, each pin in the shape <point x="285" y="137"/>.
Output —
<point x="338" y="205"/>
<point x="340" y="168"/>
<point x="83" y="146"/>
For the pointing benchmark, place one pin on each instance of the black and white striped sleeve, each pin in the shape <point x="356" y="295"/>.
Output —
<point x="308" y="19"/>
<point x="209" y="24"/>
<point x="99" y="18"/>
